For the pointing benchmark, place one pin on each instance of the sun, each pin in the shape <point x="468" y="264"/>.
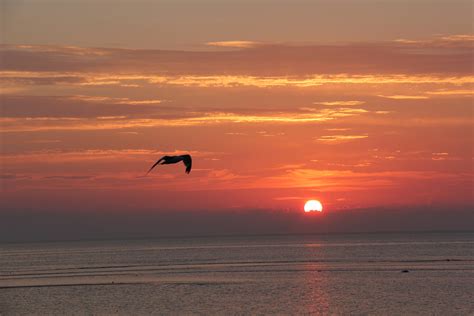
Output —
<point x="312" y="206"/>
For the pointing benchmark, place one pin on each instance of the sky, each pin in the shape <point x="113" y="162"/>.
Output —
<point x="363" y="105"/>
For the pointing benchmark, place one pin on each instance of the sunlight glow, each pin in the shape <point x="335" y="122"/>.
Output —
<point x="313" y="205"/>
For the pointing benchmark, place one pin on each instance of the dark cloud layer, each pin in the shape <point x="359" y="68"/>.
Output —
<point x="454" y="57"/>
<point x="54" y="106"/>
<point x="75" y="225"/>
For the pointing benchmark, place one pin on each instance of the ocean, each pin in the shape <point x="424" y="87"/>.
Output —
<point x="337" y="274"/>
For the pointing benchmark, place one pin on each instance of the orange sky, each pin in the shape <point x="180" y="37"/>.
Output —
<point x="270" y="122"/>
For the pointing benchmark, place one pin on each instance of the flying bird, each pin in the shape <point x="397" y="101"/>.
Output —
<point x="166" y="160"/>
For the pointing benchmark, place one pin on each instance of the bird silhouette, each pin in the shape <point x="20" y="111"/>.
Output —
<point x="166" y="160"/>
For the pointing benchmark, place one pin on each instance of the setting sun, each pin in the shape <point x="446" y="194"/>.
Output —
<point x="312" y="206"/>
<point x="189" y="146"/>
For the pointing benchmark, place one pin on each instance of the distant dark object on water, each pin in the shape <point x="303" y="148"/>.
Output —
<point x="166" y="160"/>
<point x="405" y="271"/>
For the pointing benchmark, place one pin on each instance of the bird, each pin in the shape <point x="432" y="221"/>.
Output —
<point x="166" y="160"/>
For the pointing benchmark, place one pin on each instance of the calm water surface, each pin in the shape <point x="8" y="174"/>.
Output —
<point x="310" y="274"/>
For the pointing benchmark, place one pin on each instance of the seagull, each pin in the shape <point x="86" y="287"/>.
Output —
<point x="166" y="160"/>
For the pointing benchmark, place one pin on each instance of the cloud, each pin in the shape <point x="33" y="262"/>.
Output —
<point x="339" y="138"/>
<point x="405" y="97"/>
<point x="11" y="176"/>
<point x="442" y="156"/>
<point x="78" y="106"/>
<point x="7" y="89"/>
<point x="21" y="80"/>
<point x="129" y="133"/>
<point x="51" y="156"/>
<point x="234" y="44"/>
<point x="56" y="116"/>
<point x="78" y="224"/>
<point x="346" y="180"/>
<point x="236" y="134"/>
<point x="449" y="56"/>
<point x="68" y="177"/>
<point x="202" y="118"/>
<point x="69" y="50"/>
<point x="267" y="134"/>
<point x="286" y="198"/>
<point x="460" y="92"/>
<point x="445" y="41"/>
<point x="458" y="38"/>
<point x="140" y="102"/>
<point x="44" y="141"/>
<point x="310" y="81"/>
<point x="340" y="103"/>
<point x="337" y="129"/>
<point x="223" y="175"/>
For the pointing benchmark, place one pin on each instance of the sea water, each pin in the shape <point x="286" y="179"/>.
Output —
<point x="385" y="273"/>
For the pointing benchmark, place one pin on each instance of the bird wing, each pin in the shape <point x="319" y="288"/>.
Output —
<point x="188" y="162"/>
<point x="156" y="163"/>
